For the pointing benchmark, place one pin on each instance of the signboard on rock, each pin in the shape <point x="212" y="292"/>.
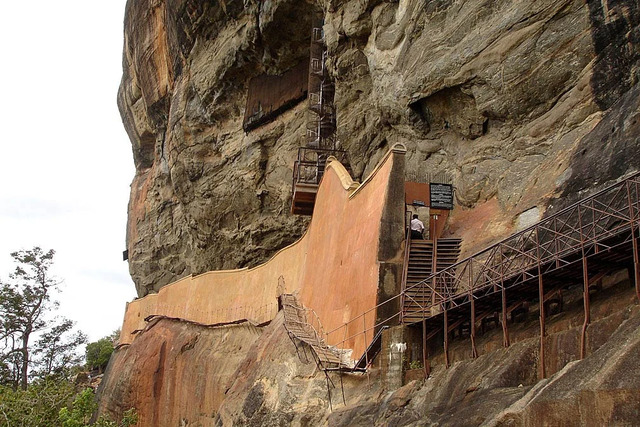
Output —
<point x="441" y="196"/>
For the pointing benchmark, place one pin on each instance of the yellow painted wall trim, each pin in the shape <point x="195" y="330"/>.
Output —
<point x="345" y="178"/>
<point x="395" y="149"/>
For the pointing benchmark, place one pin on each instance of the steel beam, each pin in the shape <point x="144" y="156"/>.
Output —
<point x="505" y="329"/>
<point x="543" y="371"/>
<point x="634" y="239"/>
<point x="585" y="288"/>
<point x="446" y="336"/>
<point x="472" y="327"/>
<point x="425" y="350"/>
<point x="586" y="300"/>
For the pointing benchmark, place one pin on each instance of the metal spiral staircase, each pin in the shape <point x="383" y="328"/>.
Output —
<point x="320" y="138"/>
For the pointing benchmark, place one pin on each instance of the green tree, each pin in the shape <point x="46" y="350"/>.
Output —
<point x="84" y="406"/>
<point x="55" y="350"/>
<point x="25" y="302"/>
<point x="114" y="337"/>
<point x="99" y="352"/>
<point x="54" y="402"/>
<point x="79" y="414"/>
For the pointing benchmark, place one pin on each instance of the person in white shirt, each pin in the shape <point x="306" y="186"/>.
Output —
<point x="417" y="228"/>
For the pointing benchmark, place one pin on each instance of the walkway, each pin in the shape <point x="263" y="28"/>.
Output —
<point x="575" y="246"/>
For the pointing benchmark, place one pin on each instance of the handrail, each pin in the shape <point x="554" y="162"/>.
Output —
<point x="318" y="333"/>
<point x="532" y="227"/>
<point x="405" y="269"/>
<point x="525" y="231"/>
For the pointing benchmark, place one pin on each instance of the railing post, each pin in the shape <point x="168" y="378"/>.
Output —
<point x="472" y="322"/>
<point x="585" y="290"/>
<point x="634" y="241"/>
<point x="405" y="271"/>
<point x="434" y="260"/>
<point x="595" y="239"/>
<point x="344" y="339"/>
<point x="425" y="355"/>
<point x="555" y="241"/>
<point x="543" y="371"/>
<point x="364" y="330"/>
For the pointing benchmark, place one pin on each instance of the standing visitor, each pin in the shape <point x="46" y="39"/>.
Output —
<point x="417" y="228"/>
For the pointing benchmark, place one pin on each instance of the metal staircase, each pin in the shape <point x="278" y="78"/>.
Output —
<point x="422" y="255"/>
<point x="320" y="138"/>
<point x="298" y="326"/>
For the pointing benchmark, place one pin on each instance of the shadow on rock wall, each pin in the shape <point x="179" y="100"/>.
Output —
<point x="608" y="152"/>
<point x="615" y="29"/>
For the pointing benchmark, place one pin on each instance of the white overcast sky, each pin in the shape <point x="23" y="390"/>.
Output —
<point x="66" y="159"/>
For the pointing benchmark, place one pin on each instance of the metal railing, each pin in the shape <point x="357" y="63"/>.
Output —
<point x="311" y="162"/>
<point x="405" y="267"/>
<point x="605" y="221"/>
<point x="581" y="229"/>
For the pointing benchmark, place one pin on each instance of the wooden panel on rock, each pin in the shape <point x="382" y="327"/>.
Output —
<point x="416" y="192"/>
<point x="270" y="95"/>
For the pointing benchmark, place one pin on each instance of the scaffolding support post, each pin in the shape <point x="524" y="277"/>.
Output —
<point x="634" y="239"/>
<point x="543" y="371"/>
<point x="446" y="335"/>
<point x="472" y="327"/>
<point x="585" y="290"/>
<point x="503" y="296"/>
<point x="425" y="350"/>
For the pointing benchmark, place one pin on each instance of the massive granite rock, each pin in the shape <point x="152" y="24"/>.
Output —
<point x="505" y="96"/>
<point x="184" y="374"/>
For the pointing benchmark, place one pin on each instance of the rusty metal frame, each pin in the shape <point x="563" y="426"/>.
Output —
<point x="549" y="244"/>
<point x="310" y="163"/>
<point x="320" y="139"/>
<point x="602" y="223"/>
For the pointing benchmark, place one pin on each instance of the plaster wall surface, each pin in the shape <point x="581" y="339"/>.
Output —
<point x="333" y="268"/>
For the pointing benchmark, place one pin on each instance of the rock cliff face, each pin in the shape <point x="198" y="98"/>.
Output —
<point x="526" y="104"/>
<point x="505" y="96"/>
<point x="181" y="374"/>
<point x="176" y="365"/>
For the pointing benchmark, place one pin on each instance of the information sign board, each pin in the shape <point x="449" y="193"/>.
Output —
<point x="441" y="196"/>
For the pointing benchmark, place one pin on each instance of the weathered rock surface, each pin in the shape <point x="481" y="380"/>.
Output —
<point x="528" y="105"/>
<point x="175" y="372"/>
<point x="181" y="374"/>
<point x="503" y="95"/>
<point x="205" y="195"/>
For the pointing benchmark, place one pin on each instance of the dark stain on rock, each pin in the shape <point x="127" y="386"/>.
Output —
<point x="190" y="344"/>
<point x="615" y="30"/>
<point x="607" y="153"/>
<point x="452" y="108"/>
<point x="253" y="401"/>
<point x="158" y="379"/>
